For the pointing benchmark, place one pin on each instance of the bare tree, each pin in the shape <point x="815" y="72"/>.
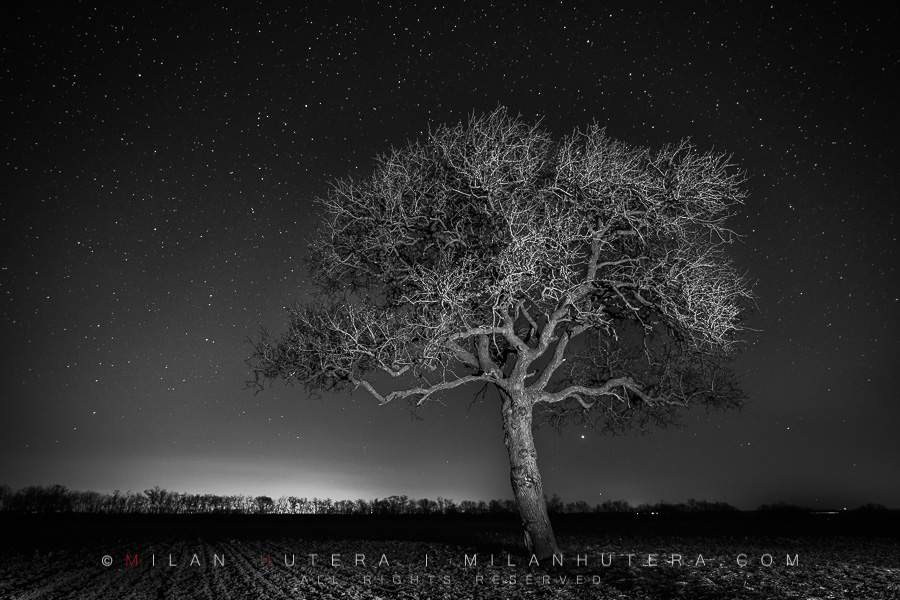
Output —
<point x="584" y="279"/>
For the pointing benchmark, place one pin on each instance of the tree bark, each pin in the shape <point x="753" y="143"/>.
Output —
<point x="526" y="479"/>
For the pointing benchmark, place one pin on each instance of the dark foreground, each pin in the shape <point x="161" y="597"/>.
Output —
<point x="742" y="555"/>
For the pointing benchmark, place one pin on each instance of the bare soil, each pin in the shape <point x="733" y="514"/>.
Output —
<point x="604" y="556"/>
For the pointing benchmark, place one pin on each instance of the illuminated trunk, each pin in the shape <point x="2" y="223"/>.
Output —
<point x="526" y="479"/>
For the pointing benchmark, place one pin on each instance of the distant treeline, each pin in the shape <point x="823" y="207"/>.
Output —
<point x="59" y="499"/>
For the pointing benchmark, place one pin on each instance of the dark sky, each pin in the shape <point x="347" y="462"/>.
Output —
<point x="159" y="167"/>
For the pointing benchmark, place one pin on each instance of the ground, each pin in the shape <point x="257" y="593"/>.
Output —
<point x="625" y="557"/>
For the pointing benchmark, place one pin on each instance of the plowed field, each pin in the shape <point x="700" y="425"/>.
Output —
<point x="289" y="557"/>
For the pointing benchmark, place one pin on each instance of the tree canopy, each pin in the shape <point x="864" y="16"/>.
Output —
<point x="587" y="275"/>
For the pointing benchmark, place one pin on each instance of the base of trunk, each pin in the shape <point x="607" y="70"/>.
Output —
<point x="526" y="480"/>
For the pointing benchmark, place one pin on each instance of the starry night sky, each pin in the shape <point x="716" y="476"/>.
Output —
<point x="159" y="170"/>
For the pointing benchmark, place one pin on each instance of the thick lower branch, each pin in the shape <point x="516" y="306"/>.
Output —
<point x="424" y="392"/>
<point x="558" y="358"/>
<point x="608" y="388"/>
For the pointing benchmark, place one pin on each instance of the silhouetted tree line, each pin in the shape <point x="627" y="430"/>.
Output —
<point x="784" y="507"/>
<point x="157" y="500"/>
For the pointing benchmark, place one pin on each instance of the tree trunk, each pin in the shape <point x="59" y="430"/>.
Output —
<point x="526" y="479"/>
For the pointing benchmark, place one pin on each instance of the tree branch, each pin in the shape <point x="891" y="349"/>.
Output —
<point x="488" y="366"/>
<point x="463" y="355"/>
<point x="558" y="358"/>
<point x="608" y="388"/>
<point x="424" y="392"/>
